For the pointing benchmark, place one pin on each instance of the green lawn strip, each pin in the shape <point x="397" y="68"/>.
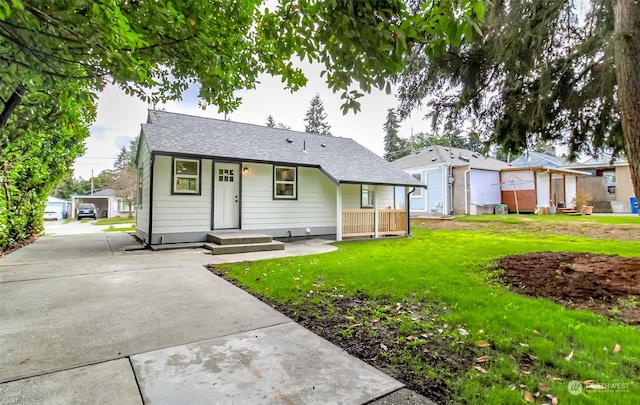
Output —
<point x="122" y="229"/>
<point x="560" y="218"/>
<point x="114" y="221"/>
<point x="446" y="271"/>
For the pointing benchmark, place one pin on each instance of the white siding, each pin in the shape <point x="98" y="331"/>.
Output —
<point x="570" y="184"/>
<point x="485" y="187"/>
<point x="351" y="197"/>
<point x="314" y="207"/>
<point x="384" y="197"/>
<point x="180" y="213"/>
<point x="142" y="211"/>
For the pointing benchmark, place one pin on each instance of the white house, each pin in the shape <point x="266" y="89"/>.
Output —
<point x="458" y="181"/>
<point x="108" y="204"/>
<point x="56" y="205"/>
<point x="197" y="175"/>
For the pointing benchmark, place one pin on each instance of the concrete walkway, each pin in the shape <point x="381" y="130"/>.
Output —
<point x="86" y="319"/>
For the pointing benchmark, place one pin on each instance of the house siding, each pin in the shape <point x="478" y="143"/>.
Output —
<point x="314" y="208"/>
<point x="180" y="213"/>
<point x="142" y="210"/>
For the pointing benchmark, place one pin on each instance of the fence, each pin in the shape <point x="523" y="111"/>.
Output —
<point x="362" y="222"/>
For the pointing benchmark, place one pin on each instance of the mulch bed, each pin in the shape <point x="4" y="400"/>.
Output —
<point x="606" y="284"/>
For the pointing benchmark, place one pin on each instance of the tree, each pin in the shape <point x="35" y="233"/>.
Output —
<point x="394" y="146"/>
<point x="281" y="125"/>
<point x="59" y="54"/>
<point x="315" y="118"/>
<point x="125" y="185"/>
<point x="543" y="71"/>
<point x="271" y="123"/>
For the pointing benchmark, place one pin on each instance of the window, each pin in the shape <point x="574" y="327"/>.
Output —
<point x="284" y="183"/>
<point x="418" y="191"/>
<point x="186" y="176"/>
<point x="122" y="205"/>
<point x="226" y="175"/>
<point x="140" y="172"/>
<point x="368" y="196"/>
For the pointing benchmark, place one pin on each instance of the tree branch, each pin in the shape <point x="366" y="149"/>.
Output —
<point x="11" y="104"/>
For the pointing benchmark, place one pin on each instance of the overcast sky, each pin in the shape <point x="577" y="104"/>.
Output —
<point x="119" y="117"/>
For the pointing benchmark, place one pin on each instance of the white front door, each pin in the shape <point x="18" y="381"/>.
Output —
<point x="226" y="180"/>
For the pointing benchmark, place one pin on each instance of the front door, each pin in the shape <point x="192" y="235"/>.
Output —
<point x="226" y="180"/>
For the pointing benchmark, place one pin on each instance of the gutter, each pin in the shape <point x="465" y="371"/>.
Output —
<point x="409" y="211"/>
<point x="466" y="192"/>
<point x="153" y="161"/>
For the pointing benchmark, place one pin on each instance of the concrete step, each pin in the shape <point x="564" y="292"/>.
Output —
<point x="243" y="248"/>
<point x="237" y="238"/>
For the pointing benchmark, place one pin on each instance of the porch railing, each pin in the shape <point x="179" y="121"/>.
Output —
<point x="362" y="222"/>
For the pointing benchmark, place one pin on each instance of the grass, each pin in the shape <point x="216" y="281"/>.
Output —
<point x="123" y="229"/>
<point x="524" y="218"/>
<point x="446" y="276"/>
<point x="114" y="221"/>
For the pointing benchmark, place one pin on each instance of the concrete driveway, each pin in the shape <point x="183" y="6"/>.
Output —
<point x="85" y="318"/>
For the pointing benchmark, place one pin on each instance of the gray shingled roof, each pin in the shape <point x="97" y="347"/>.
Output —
<point x="437" y="155"/>
<point x="342" y="159"/>
<point x="530" y="159"/>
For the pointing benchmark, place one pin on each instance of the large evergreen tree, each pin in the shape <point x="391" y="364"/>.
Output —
<point x="542" y="70"/>
<point x="395" y="147"/>
<point x="315" y="118"/>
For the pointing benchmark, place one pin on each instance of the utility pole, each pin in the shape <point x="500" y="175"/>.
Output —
<point x="91" y="181"/>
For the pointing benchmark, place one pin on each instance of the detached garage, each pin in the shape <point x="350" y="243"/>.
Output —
<point x="56" y="205"/>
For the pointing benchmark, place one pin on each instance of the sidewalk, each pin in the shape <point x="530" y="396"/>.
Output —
<point x="83" y="320"/>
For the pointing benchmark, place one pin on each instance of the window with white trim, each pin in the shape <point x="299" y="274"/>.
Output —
<point x="418" y="191"/>
<point x="284" y="183"/>
<point x="368" y="196"/>
<point x="186" y="176"/>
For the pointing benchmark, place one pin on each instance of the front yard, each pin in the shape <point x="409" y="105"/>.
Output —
<point x="434" y="311"/>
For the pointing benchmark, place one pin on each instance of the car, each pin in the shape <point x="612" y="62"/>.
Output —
<point x="86" y="211"/>
<point x="50" y="216"/>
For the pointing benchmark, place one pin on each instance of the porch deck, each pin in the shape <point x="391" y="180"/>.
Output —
<point x="370" y="222"/>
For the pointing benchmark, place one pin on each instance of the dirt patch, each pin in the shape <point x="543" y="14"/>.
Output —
<point x="589" y="229"/>
<point x="19" y="245"/>
<point x="606" y="284"/>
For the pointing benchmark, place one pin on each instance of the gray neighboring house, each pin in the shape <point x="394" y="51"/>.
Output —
<point x="197" y="174"/>
<point x="458" y="181"/>
<point x="547" y="158"/>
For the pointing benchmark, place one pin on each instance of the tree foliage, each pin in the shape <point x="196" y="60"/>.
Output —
<point x="271" y="123"/>
<point x="315" y="118"/>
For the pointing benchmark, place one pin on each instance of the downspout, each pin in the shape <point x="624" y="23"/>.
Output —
<point x="466" y="192"/>
<point x="153" y="160"/>
<point x="409" y="211"/>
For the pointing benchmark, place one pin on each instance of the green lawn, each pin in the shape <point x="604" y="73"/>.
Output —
<point x="114" y="221"/>
<point x="446" y="278"/>
<point x="122" y="229"/>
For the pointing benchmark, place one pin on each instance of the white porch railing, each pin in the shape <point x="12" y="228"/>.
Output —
<point x="362" y="222"/>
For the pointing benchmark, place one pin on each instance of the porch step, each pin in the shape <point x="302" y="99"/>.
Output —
<point x="226" y="249"/>
<point x="237" y="238"/>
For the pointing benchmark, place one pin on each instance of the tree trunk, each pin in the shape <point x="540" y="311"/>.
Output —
<point x="11" y="104"/>
<point x="627" y="59"/>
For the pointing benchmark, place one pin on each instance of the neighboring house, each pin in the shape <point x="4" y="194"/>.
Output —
<point x="524" y="189"/>
<point x="200" y="174"/>
<point x="547" y="158"/>
<point x="458" y="181"/>
<point x="57" y="205"/>
<point x="106" y="201"/>
<point x="609" y="184"/>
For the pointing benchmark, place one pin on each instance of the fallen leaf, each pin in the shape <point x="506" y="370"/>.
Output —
<point x="410" y="337"/>
<point x="355" y="325"/>
<point x="605" y="349"/>
<point x="552" y="378"/>
<point x="543" y="387"/>
<point x="569" y="357"/>
<point x="398" y="306"/>
<point x="483" y="343"/>
<point x="480" y="369"/>
<point x="482" y="359"/>
<point x="481" y="331"/>
<point x="440" y="330"/>
<point x="536" y="332"/>
<point x="424" y="335"/>
<point x="351" y="318"/>
<point x="524" y="345"/>
<point x="528" y="397"/>
<point x="463" y="332"/>
<point x="617" y="348"/>
<point x="384" y="347"/>
<point x="375" y="320"/>
<point x="522" y="386"/>
<point x="415" y="319"/>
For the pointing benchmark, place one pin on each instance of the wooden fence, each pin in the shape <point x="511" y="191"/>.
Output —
<point x="362" y="222"/>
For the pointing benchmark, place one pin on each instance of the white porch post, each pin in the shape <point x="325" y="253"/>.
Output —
<point x="338" y="213"/>
<point x="376" y="219"/>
